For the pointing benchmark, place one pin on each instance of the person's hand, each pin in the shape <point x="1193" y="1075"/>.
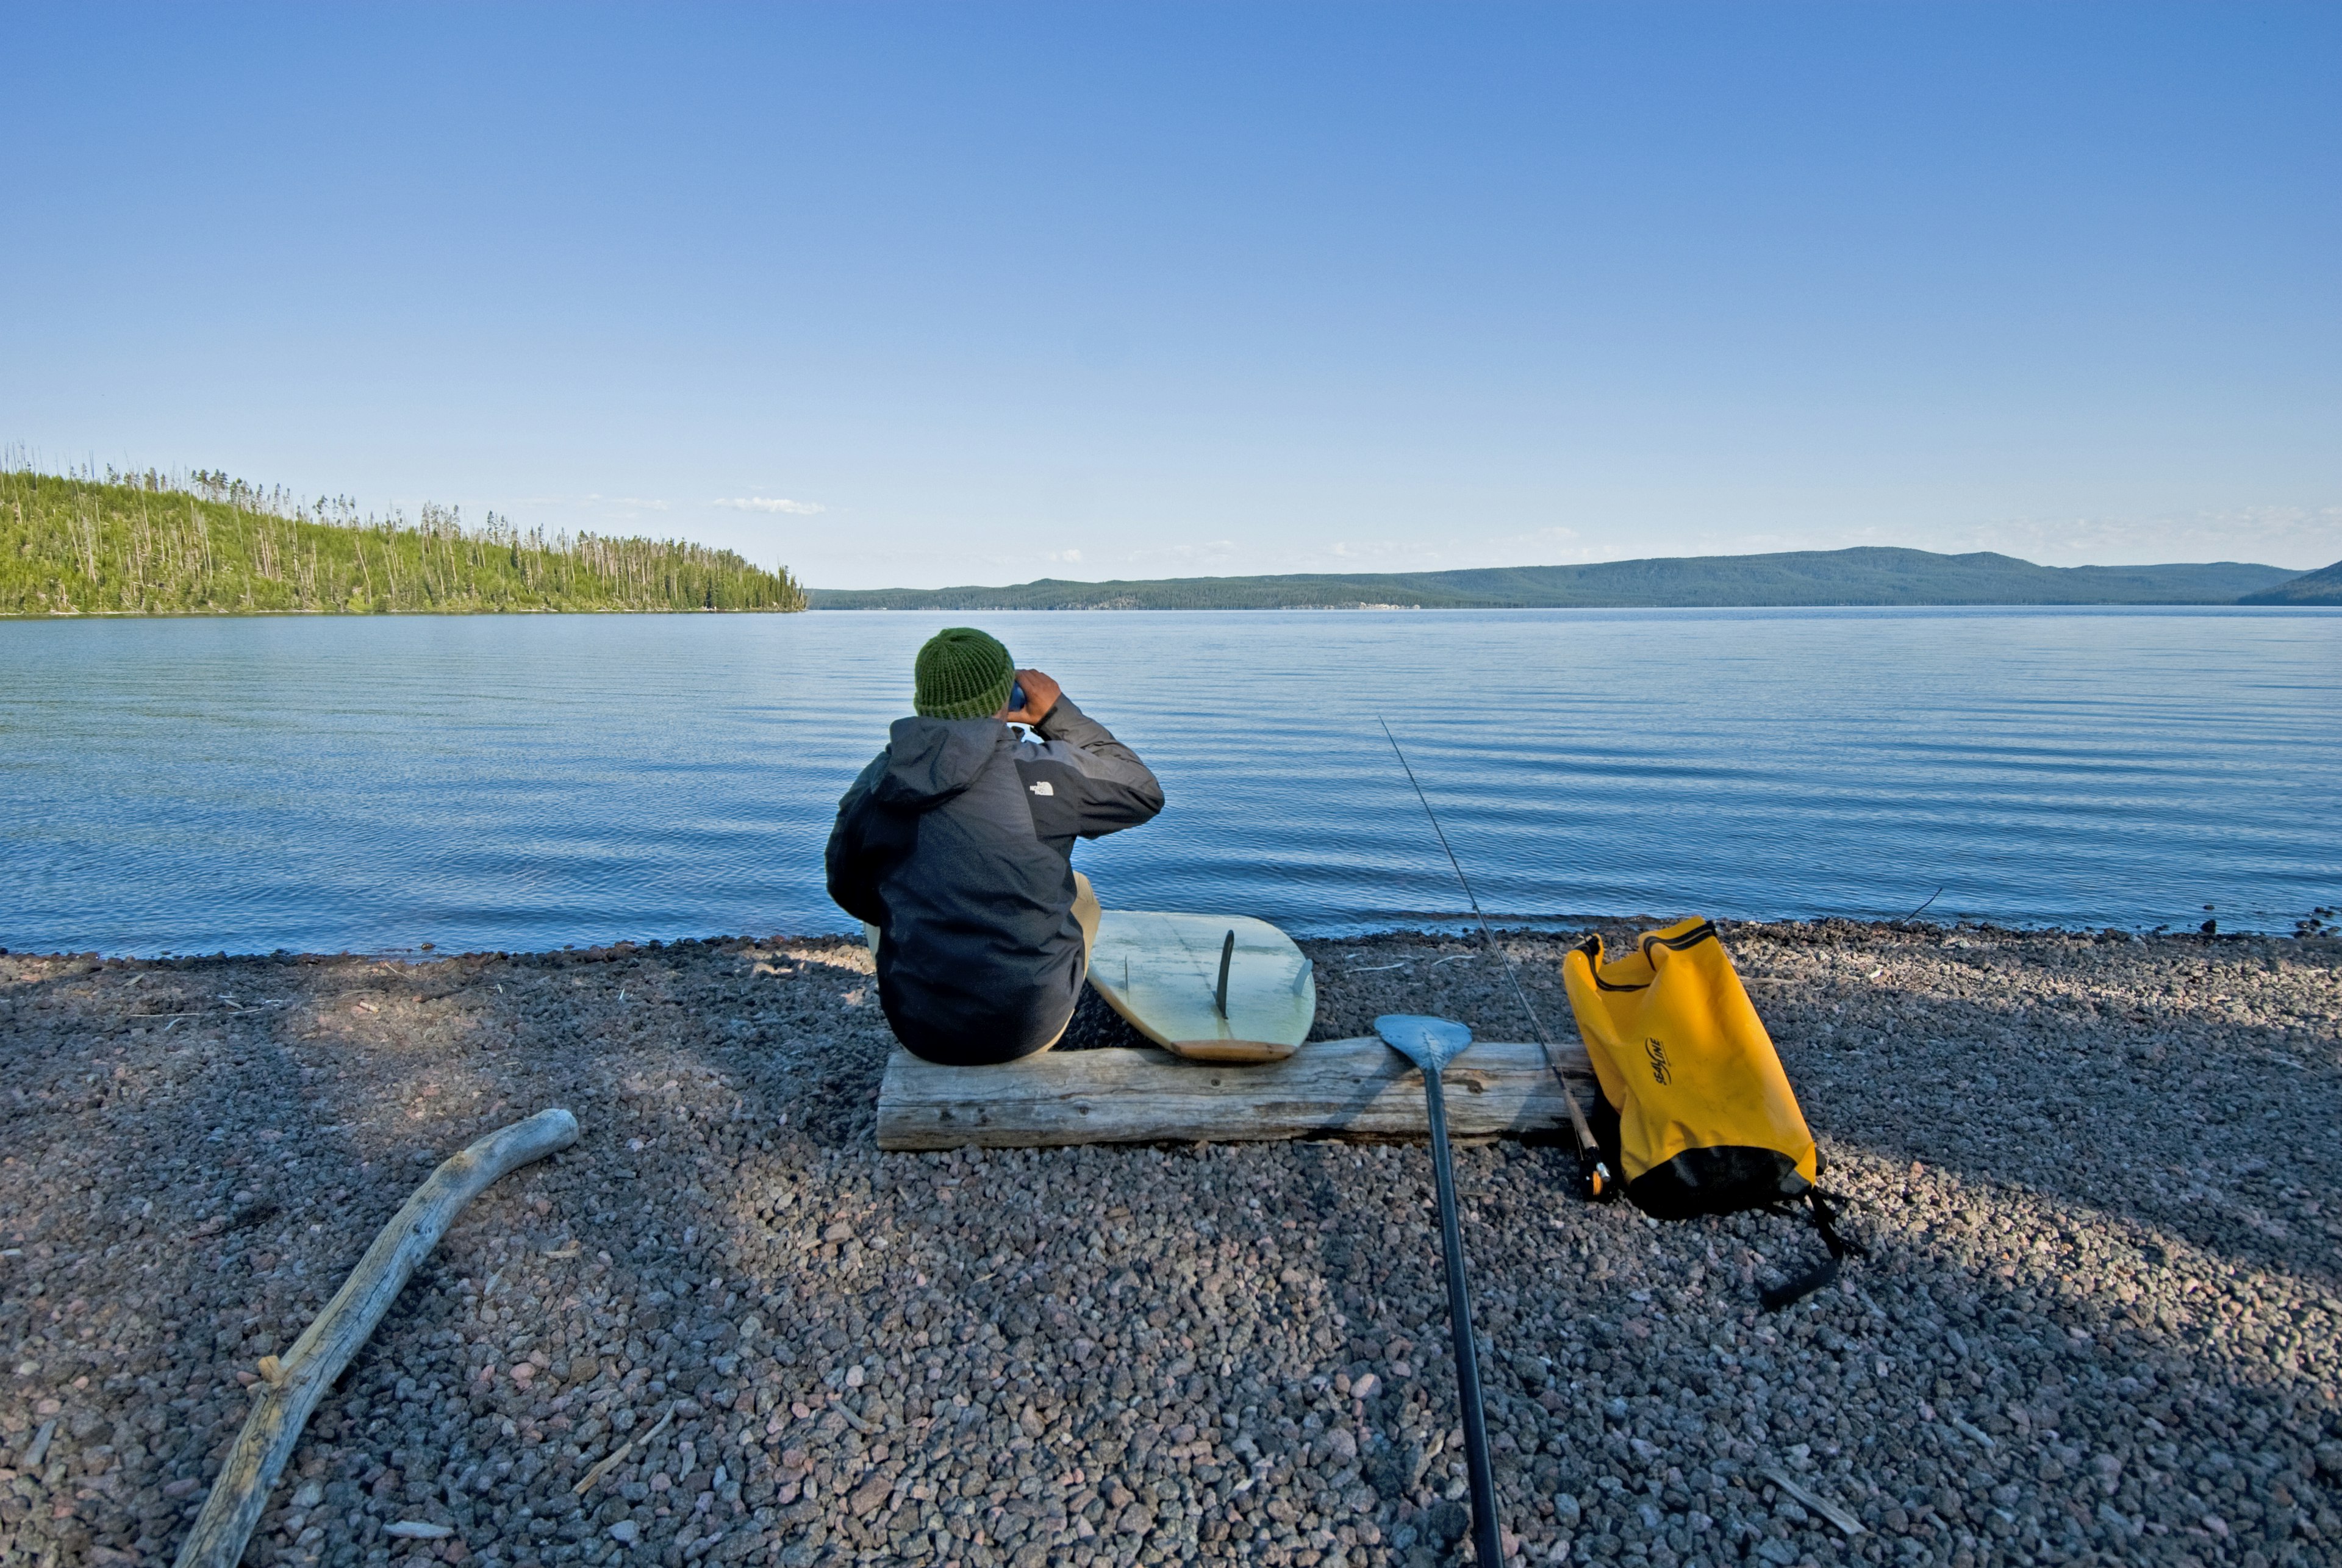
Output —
<point x="1041" y="695"/>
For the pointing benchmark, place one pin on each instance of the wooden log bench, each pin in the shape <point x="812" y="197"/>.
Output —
<point x="1358" y="1089"/>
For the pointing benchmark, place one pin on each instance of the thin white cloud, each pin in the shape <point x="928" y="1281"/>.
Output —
<point x="1381" y="556"/>
<point x="2302" y="537"/>
<point x="1210" y="552"/>
<point x="628" y="502"/>
<point x="771" y="504"/>
<point x="1065" y="557"/>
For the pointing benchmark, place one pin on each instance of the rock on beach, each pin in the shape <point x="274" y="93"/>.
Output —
<point x="2097" y="1177"/>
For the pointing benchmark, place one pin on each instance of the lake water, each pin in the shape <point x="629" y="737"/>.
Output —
<point x="373" y="784"/>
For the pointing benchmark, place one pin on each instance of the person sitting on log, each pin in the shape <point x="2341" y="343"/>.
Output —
<point x="954" y="850"/>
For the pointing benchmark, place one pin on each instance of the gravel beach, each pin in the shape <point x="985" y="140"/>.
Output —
<point x="2097" y="1177"/>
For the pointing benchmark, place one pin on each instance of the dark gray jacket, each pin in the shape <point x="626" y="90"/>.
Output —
<point x="956" y="842"/>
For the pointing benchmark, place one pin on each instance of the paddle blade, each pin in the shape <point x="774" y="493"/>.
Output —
<point x="1429" y="1043"/>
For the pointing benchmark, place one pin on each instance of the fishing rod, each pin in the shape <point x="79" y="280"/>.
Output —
<point x="1592" y="1174"/>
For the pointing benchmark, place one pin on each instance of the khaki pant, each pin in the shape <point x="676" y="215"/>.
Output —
<point x="1085" y="916"/>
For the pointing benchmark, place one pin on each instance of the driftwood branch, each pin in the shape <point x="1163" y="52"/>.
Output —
<point x="296" y="1381"/>
<point x="617" y="1455"/>
<point x="1328" y="1089"/>
<point x="1812" y="1500"/>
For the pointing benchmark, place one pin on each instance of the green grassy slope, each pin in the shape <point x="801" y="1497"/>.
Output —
<point x="143" y="547"/>
<point x="1860" y="576"/>
<point x="2323" y="586"/>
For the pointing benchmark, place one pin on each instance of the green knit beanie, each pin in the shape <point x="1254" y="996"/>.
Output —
<point x="962" y="673"/>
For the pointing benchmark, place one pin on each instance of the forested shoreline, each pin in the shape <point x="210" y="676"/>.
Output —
<point x="1867" y="574"/>
<point x="164" y="544"/>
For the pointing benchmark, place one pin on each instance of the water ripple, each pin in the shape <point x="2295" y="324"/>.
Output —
<point x="525" y="782"/>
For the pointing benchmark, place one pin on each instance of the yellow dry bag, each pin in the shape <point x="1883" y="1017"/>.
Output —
<point x="1698" y="1115"/>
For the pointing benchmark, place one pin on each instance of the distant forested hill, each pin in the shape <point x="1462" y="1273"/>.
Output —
<point x="152" y="545"/>
<point x="1859" y="576"/>
<point x="2323" y="586"/>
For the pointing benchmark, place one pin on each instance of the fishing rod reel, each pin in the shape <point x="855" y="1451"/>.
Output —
<point x="1595" y="1183"/>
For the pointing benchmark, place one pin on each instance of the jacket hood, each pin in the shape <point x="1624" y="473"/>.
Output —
<point x="932" y="760"/>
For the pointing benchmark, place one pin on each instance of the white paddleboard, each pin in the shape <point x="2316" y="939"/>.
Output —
<point x="1162" y="973"/>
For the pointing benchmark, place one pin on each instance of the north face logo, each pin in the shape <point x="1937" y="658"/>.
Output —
<point x="1657" y="1052"/>
<point x="1044" y="787"/>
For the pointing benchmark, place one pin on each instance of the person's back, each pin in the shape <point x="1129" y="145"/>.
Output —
<point x="957" y="844"/>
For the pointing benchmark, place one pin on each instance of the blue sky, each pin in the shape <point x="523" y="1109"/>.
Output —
<point x="897" y="294"/>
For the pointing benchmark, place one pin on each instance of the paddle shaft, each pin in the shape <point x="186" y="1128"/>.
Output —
<point x="1485" y="1538"/>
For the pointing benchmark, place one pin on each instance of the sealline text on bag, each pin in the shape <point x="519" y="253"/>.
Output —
<point x="1698" y="1112"/>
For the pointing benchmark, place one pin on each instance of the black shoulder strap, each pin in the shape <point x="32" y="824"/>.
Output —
<point x="1824" y="1216"/>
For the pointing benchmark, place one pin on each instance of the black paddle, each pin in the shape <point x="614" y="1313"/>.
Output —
<point x="1431" y="1044"/>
